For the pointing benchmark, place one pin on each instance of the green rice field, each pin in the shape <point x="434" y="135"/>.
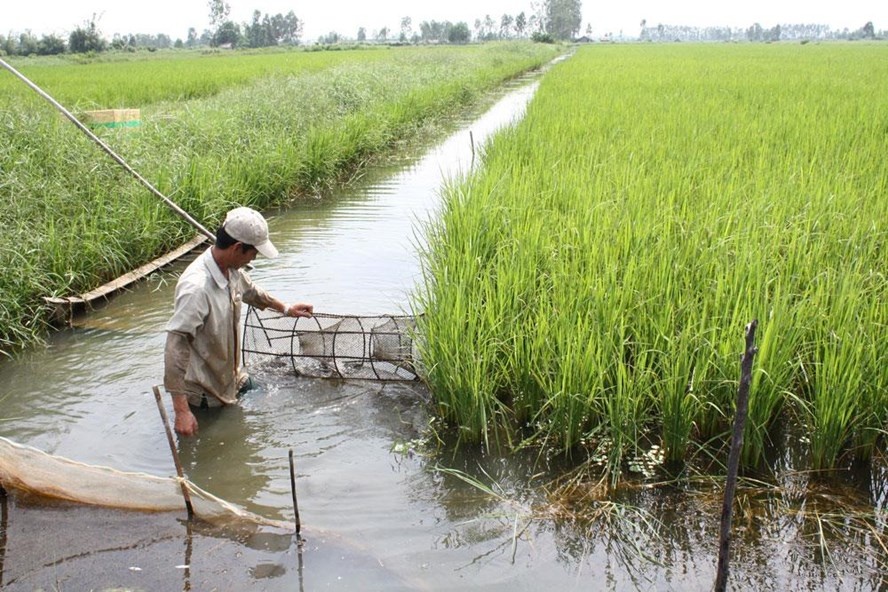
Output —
<point x="588" y="287"/>
<point x="215" y="130"/>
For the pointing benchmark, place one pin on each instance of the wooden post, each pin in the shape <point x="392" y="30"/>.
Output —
<point x="724" y="539"/>
<point x="172" y="443"/>
<point x="472" y="144"/>
<point x="295" y="503"/>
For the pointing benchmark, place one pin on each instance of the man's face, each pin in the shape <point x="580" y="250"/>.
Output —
<point x="242" y="255"/>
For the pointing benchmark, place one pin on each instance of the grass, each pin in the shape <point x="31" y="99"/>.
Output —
<point x="259" y="129"/>
<point x="590" y="284"/>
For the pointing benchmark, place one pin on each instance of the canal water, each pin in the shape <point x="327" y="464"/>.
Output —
<point x="383" y="506"/>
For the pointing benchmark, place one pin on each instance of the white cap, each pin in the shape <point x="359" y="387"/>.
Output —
<point x="246" y="225"/>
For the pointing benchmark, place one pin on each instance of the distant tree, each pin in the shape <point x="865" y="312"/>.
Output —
<point x="331" y="38"/>
<point x="228" y="34"/>
<point x="382" y="34"/>
<point x="225" y="32"/>
<point x="563" y="18"/>
<point x="406" y="27"/>
<point x="219" y="11"/>
<point x="290" y="29"/>
<point x="755" y="32"/>
<point x="520" y="24"/>
<point x="433" y="31"/>
<point x="488" y="27"/>
<point x="506" y="26"/>
<point x="459" y="33"/>
<point x="869" y="31"/>
<point x="163" y="41"/>
<point x="119" y="43"/>
<point x="256" y="33"/>
<point x="192" y="39"/>
<point x="86" y="38"/>
<point x="534" y="24"/>
<point x="362" y="34"/>
<point x="269" y="30"/>
<point x="28" y="44"/>
<point x="444" y="32"/>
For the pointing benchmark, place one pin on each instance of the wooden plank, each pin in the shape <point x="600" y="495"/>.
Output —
<point x="62" y="310"/>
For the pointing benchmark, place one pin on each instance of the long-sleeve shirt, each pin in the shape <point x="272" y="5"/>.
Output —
<point x="202" y="353"/>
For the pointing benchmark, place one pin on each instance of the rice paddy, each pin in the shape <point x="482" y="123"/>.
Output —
<point x="215" y="130"/>
<point x="587" y="288"/>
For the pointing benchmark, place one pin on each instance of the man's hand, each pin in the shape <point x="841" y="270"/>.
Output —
<point x="186" y="423"/>
<point x="300" y="309"/>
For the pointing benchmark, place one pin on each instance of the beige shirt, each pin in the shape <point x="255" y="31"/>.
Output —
<point x="202" y="354"/>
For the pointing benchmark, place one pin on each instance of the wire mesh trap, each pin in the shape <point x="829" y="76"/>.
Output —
<point x="333" y="346"/>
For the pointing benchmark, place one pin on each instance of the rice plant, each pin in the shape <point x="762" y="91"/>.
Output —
<point x="654" y="200"/>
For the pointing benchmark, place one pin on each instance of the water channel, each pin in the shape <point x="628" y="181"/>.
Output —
<point x="377" y="513"/>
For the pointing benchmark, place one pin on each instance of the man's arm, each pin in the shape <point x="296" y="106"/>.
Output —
<point x="177" y="354"/>
<point x="256" y="296"/>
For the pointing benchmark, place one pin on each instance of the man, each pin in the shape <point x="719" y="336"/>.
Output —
<point x="202" y="354"/>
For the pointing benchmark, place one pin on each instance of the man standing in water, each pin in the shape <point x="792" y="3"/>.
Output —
<point x="202" y="356"/>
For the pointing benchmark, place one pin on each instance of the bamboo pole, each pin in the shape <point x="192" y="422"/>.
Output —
<point x="724" y="539"/>
<point x="200" y="227"/>
<point x="172" y="443"/>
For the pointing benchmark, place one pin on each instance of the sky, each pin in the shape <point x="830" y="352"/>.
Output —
<point x="174" y="17"/>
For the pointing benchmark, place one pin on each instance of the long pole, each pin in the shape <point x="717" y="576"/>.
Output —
<point x="200" y="227"/>
<point x="724" y="541"/>
<point x="172" y="443"/>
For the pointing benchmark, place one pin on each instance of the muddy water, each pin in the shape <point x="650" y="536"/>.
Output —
<point x="377" y="512"/>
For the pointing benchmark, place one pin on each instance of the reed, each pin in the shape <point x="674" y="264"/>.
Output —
<point x="598" y="270"/>
<point x="268" y="129"/>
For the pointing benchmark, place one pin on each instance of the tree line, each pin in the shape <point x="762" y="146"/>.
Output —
<point x="757" y="33"/>
<point x="548" y="20"/>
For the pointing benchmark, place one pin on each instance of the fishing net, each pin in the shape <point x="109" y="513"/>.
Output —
<point x="30" y="471"/>
<point x="333" y="346"/>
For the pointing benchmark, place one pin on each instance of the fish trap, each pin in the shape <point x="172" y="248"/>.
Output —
<point x="333" y="346"/>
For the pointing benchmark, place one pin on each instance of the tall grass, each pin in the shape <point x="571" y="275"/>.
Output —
<point x="591" y="283"/>
<point x="73" y="219"/>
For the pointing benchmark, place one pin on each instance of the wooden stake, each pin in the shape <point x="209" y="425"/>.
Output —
<point x="169" y="433"/>
<point x="293" y="490"/>
<point x="724" y="539"/>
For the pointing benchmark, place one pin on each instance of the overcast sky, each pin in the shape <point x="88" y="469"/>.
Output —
<point x="174" y="17"/>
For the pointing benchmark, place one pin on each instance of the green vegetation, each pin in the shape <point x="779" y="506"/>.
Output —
<point x="120" y="80"/>
<point x="590" y="284"/>
<point x="259" y="130"/>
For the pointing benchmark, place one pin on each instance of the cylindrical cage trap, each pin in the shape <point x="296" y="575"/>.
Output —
<point x="333" y="346"/>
